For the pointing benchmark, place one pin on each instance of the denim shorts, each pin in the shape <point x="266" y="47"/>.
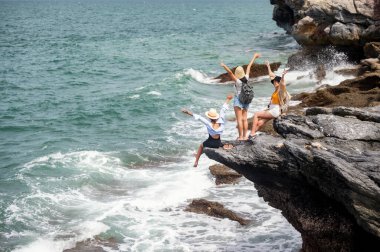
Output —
<point x="237" y="103"/>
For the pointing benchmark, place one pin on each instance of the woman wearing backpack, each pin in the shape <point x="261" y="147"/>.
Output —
<point x="278" y="103"/>
<point x="242" y="100"/>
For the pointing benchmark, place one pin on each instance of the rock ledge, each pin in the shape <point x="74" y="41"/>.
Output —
<point x="323" y="173"/>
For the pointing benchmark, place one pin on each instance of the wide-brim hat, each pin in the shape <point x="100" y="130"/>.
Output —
<point x="212" y="114"/>
<point x="277" y="79"/>
<point x="239" y="72"/>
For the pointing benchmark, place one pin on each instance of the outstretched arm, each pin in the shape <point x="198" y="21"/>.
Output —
<point x="255" y="56"/>
<point x="228" y="71"/>
<point x="187" y="112"/>
<point x="271" y="74"/>
<point x="225" y="106"/>
<point x="228" y="99"/>
<point x="282" y="81"/>
<point x="197" y="117"/>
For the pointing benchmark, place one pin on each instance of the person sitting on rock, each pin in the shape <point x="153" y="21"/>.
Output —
<point x="215" y="127"/>
<point x="278" y="103"/>
<point x="241" y="108"/>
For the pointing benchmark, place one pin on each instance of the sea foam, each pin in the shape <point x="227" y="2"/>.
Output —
<point x="50" y="244"/>
<point x="156" y="93"/>
<point x="199" y="76"/>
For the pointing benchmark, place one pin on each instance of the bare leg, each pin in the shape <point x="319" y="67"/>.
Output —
<point x="260" y="123"/>
<point x="245" y="123"/>
<point x="238" y="113"/>
<point x="254" y="124"/>
<point x="259" y="116"/>
<point x="199" y="153"/>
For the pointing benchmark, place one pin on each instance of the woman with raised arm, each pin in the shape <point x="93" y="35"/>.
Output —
<point x="241" y="108"/>
<point x="215" y="126"/>
<point x="278" y="103"/>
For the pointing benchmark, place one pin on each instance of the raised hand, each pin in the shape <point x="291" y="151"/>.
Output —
<point x="285" y="72"/>
<point x="229" y="97"/>
<point x="185" y="111"/>
<point x="257" y="55"/>
<point x="267" y="63"/>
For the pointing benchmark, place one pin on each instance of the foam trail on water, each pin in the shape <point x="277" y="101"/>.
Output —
<point x="156" y="93"/>
<point x="136" y="96"/>
<point x="200" y="76"/>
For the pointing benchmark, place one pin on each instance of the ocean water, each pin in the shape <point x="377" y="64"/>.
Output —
<point x="92" y="140"/>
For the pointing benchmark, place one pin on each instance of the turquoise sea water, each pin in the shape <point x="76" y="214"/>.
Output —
<point x="92" y="141"/>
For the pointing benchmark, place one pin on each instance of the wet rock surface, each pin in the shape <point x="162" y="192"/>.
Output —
<point x="214" y="209"/>
<point x="362" y="91"/>
<point x="372" y="50"/>
<point x="94" y="245"/>
<point x="224" y="175"/>
<point x="323" y="173"/>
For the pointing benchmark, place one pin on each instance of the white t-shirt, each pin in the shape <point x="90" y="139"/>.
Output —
<point x="208" y="124"/>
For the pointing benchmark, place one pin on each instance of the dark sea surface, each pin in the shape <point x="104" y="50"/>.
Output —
<point x="92" y="140"/>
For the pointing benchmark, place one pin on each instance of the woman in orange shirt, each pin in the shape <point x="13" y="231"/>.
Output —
<point x="277" y="105"/>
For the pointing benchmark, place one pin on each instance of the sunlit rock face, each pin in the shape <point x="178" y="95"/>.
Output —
<point x="324" y="22"/>
<point x="322" y="172"/>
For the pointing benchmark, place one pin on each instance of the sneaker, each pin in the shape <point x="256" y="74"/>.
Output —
<point x="250" y="137"/>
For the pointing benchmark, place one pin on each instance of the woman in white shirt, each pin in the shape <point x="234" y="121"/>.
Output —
<point x="215" y="126"/>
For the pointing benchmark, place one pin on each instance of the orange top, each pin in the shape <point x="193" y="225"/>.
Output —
<point x="275" y="99"/>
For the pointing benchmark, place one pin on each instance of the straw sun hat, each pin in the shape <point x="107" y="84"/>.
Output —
<point x="212" y="114"/>
<point x="239" y="72"/>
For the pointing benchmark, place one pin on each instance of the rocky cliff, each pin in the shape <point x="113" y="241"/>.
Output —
<point x="324" y="22"/>
<point x="321" y="166"/>
<point x="323" y="173"/>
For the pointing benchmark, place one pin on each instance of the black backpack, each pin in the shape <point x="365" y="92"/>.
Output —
<point x="246" y="94"/>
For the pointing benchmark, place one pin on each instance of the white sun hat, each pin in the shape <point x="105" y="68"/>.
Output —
<point x="212" y="114"/>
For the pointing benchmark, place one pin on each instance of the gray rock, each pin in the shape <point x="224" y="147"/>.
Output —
<point x="297" y="126"/>
<point x="339" y="23"/>
<point x="370" y="114"/>
<point x="371" y="33"/>
<point x="372" y="50"/>
<point x="345" y="34"/>
<point x="347" y="128"/>
<point x="324" y="175"/>
<point x="317" y="111"/>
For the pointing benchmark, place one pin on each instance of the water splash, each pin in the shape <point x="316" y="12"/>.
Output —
<point x="199" y="76"/>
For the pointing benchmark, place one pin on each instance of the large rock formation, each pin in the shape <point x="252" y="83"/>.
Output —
<point x="325" y="22"/>
<point x="323" y="173"/>
<point x="257" y="70"/>
<point x="362" y="91"/>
